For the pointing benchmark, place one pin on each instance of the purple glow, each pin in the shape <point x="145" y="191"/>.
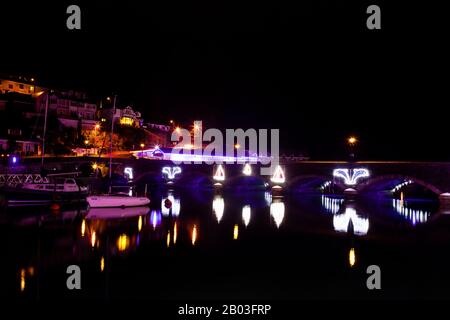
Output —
<point x="155" y="218"/>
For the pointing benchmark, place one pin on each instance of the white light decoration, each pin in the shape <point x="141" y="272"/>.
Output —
<point x="342" y="221"/>
<point x="413" y="215"/>
<point x="246" y="214"/>
<point x="128" y="171"/>
<point x="351" y="176"/>
<point x="175" y="207"/>
<point x="332" y="205"/>
<point x="278" y="175"/>
<point x="171" y="172"/>
<point x="220" y="173"/>
<point x="218" y="206"/>
<point x="325" y="185"/>
<point x="268" y="197"/>
<point x="401" y="185"/>
<point x="277" y="212"/>
<point x="247" y="169"/>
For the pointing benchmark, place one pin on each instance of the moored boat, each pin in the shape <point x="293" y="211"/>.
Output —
<point x="31" y="194"/>
<point x="116" y="201"/>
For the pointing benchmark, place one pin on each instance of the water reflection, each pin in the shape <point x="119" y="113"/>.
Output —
<point x="168" y="239"/>
<point x="155" y="218"/>
<point x="115" y="213"/>
<point x="268" y="197"/>
<point x="331" y="205"/>
<point x="83" y="227"/>
<point x="22" y="279"/>
<point x="277" y="211"/>
<point x="194" y="235"/>
<point x="93" y="239"/>
<point x="123" y="242"/>
<point x="23" y="274"/>
<point x="102" y="264"/>
<point x="140" y="223"/>
<point x="235" y="232"/>
<point x="218" y="206"/>
<point x="246" y="214"/>
<point x="175" y="232"/>
<point x="352" y="257"/>
<point x="350" y="222"/>
<point x="413" y="215"/>
<point x="99" y="236"/>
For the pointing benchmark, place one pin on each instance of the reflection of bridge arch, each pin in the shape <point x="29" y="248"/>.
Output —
<point x="388" y="182"/>
<point x="149" y="177"/>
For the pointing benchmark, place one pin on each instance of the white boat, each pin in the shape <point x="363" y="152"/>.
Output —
<point x="115" y="213"/>
<point x="116" y="201"/>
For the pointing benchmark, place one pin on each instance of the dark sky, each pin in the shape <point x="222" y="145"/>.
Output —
<point x="310" y="68"/>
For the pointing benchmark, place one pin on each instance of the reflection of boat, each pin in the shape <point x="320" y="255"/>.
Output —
<point x="62" y="190"/>
<point x="116" y="201"/>
<point x="113" y="213"/>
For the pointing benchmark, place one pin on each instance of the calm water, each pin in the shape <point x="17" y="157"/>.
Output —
<point x="228" y="246"/>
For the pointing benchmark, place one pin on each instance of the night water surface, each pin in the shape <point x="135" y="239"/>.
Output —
<point x="228" y="245"/>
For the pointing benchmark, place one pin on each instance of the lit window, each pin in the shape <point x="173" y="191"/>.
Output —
<point x="126" y="121"/>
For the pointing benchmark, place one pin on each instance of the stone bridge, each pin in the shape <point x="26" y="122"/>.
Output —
<point x="365" y="176"/>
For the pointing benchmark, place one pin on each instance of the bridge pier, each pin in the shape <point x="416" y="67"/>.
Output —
<point x="444" y="199"/>
<point x="350" y="193"/>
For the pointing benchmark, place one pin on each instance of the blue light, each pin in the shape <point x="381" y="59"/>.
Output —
<point x="14" y="159"/>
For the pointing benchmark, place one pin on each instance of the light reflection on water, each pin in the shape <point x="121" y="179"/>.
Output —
<point x="349" y="220"/>
<point x="415" y="216"/>
<point x="184" y="225"/>
<point x="277" y="211"/>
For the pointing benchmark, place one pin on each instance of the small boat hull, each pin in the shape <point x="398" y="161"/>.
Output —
<point x="105" y="201"/>
<point x="26" y="197"/>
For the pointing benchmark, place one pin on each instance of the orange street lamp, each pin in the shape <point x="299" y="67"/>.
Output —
<point x="86" y="142"/>
<point x="352" y="140"/>
<point x="142" y="150"/>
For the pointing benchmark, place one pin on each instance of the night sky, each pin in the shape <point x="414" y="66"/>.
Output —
<point x="310" y="68"/>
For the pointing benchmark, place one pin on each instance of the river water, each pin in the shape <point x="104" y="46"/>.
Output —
<point x="228" y="245"/>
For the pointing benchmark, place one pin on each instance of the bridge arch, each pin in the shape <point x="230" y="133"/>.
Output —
<point x="311" y="182"/>
<point x="149" y="177"/>
<point x="195" y="178"/>
<point x="247" y="182"/>
<point x="388" y="182"/>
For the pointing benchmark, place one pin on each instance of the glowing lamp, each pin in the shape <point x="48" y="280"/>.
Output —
<point x="278" y="175"/>
<point x="247" y="170"/>
<point x="220" y="173"/>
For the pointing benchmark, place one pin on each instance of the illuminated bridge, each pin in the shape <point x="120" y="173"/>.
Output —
<point x="298" y="176"/>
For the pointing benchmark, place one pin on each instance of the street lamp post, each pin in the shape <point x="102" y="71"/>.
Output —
<point x="86" y="142"/>
<point x="352" y="141"/>
<point x="142" y="150"/>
